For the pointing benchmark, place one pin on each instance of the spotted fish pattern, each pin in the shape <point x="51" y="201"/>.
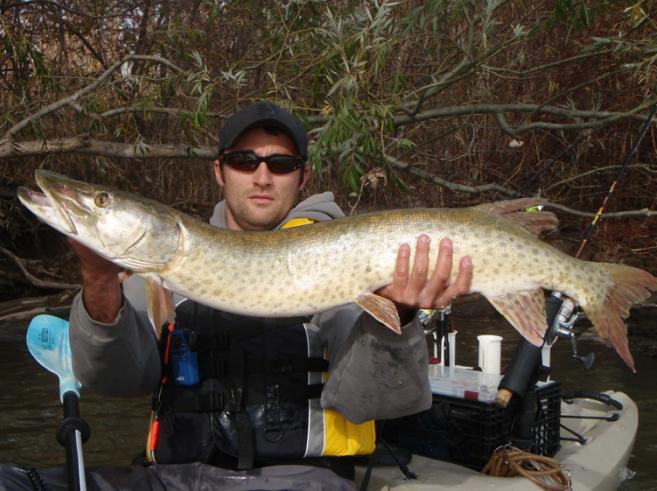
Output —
<point x="304" y="270"/>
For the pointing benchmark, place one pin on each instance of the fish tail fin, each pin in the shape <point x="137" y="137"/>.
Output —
<point x="627" y="287"/>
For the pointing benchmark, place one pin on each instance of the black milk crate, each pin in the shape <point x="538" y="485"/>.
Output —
<point x="546" y="429"/>
<point x="467" y="432"/>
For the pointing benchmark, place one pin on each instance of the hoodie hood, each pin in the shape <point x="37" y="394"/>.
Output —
<point x="318" y="207"/>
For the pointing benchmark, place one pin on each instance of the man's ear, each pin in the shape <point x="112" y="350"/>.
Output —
<point x="218" y="175"/>
<point x="303" y="178"/>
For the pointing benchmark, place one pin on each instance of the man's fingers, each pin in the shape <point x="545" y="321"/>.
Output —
<point x="444" y="262"/>
<point x="400" y="278"/>
<point x="419" y="290"/>
<point x="418" y="277"/>
<point x="440" y="276"/>
<point x="461" y="284"/>
<point x="464" y="276"/>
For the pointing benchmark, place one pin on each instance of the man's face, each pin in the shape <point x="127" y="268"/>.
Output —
<point x="259" y="200"/>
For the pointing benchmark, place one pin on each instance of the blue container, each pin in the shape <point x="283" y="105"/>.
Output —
<point x="184" y="361"/>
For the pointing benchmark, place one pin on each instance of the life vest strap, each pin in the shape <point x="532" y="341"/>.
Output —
<point x="217" y="401"/>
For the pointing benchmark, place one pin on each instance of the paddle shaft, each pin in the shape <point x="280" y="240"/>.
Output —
<point x="73" y="439"/>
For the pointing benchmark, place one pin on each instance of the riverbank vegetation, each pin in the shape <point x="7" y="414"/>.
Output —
<point x="407" y="103"/>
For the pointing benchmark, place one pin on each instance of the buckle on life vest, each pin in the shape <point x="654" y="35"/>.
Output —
<point x="234" y="402"/>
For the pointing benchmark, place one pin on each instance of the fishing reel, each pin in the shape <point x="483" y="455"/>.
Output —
<point x="435" y="323"/>
<point x="562" y="327"/>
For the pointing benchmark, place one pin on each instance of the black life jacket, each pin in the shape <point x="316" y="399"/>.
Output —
<point x="257" y="399"/>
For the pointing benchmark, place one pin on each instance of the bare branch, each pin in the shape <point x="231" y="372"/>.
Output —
<point x="172" y="111"/>
<point x="50" y="108"/>
<point x="26" y="308"/>
<point x="648" y="168"/>
<point x="109" y="149"/>
<point x="24" y="3"/>
<point x="33" y="279"/>
<point x="398" y="164"/>
<point x="529" y="71"/>
<point x="644" y="212"/>
<point x="600" y="118"/>
<point x="449" y="78"/>
<point x="462" y="188"/>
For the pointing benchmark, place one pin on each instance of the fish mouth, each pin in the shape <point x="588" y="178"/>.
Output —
<point x="59" y="203"/>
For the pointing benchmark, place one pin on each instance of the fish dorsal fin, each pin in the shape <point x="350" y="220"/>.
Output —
<point x="381" y="309"/>
<point x="525" y="311"/>
<point x="160" y="305"/>
<point x="516" y="210"/>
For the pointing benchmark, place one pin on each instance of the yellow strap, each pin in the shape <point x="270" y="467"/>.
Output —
<point x="341" y="437"/>
<point x="297" y="222"/>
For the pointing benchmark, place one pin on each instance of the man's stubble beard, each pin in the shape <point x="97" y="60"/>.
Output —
<point x="248" y="218"/>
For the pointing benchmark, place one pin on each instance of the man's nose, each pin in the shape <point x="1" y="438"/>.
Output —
<point x="262" y="176"/>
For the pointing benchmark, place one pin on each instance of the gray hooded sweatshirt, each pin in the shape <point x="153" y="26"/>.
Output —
<point x="373" y="372"/>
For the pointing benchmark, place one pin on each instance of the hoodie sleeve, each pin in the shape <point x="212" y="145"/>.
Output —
<point x="120" y="358"/>
<point x="373" y="372"/>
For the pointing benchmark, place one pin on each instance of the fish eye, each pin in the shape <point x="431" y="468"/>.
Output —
<point x="102" y="199"/>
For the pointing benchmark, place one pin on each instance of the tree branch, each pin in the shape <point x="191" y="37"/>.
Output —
<point x="109" y="149"/>
<point x="601" y="117"/>
<point x="33" y="279"/>
<point x="398" y="164"/>
<point x="172" y="111"/>
<point x="522" y="73"/>
<point x="462" y="188"/>
<point x="26" y="308"/>
<point x="599" y="169"/>
<point x="50" y="108"/>
<point x="644" y="212"/>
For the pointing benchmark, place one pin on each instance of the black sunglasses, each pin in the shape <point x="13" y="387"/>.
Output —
<point x="248" y="161"/>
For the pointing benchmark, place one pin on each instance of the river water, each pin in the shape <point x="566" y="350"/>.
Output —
<point x="31" y="409"/>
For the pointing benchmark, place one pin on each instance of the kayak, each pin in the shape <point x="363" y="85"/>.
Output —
<point x="598" y="461"/>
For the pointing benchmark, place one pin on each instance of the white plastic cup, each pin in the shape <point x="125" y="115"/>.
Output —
<point x="490" y="351"/>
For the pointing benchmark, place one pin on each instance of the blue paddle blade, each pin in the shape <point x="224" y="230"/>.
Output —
<point x="47" y="341"/>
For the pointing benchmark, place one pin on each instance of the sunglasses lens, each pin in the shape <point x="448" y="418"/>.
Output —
<point x="283" y="164"/>
<point x="243" y="161"/>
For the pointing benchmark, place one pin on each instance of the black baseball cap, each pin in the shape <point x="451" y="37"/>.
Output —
<point x="264" y="114"/>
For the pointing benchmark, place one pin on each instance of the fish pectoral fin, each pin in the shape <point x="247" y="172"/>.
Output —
<point x="160" y="305"/>
<point x="382" y="309"/>
<point x="525" y="311"/>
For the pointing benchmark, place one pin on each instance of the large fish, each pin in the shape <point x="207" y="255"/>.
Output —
<point x="304" y="270"/>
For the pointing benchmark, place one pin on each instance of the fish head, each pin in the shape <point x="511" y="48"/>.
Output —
<point x="139" y="234"/>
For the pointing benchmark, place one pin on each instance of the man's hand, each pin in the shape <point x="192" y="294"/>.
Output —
<point x="419" y="290"/>
<point x="101" y="290"/>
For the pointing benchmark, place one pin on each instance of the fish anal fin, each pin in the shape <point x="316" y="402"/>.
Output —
<point x="515" y="210"/>
<point x="159" y="303"/>
<point x="382" y="309"/>
<point x="525" y="311"/>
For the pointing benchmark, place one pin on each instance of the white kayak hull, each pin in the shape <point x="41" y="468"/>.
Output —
<point x="600" y="464"/>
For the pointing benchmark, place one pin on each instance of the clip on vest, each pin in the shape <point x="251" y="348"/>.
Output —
<point x="184" y="361"/>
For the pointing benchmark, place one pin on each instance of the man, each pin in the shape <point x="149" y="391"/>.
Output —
<point x="258" y="395"/>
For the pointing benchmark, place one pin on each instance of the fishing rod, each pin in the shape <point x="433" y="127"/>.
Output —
<point x="614" y="184"/>
<point x="525" y="363"/>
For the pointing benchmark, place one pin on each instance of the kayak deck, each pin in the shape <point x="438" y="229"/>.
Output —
<point x="599" y="464"/>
